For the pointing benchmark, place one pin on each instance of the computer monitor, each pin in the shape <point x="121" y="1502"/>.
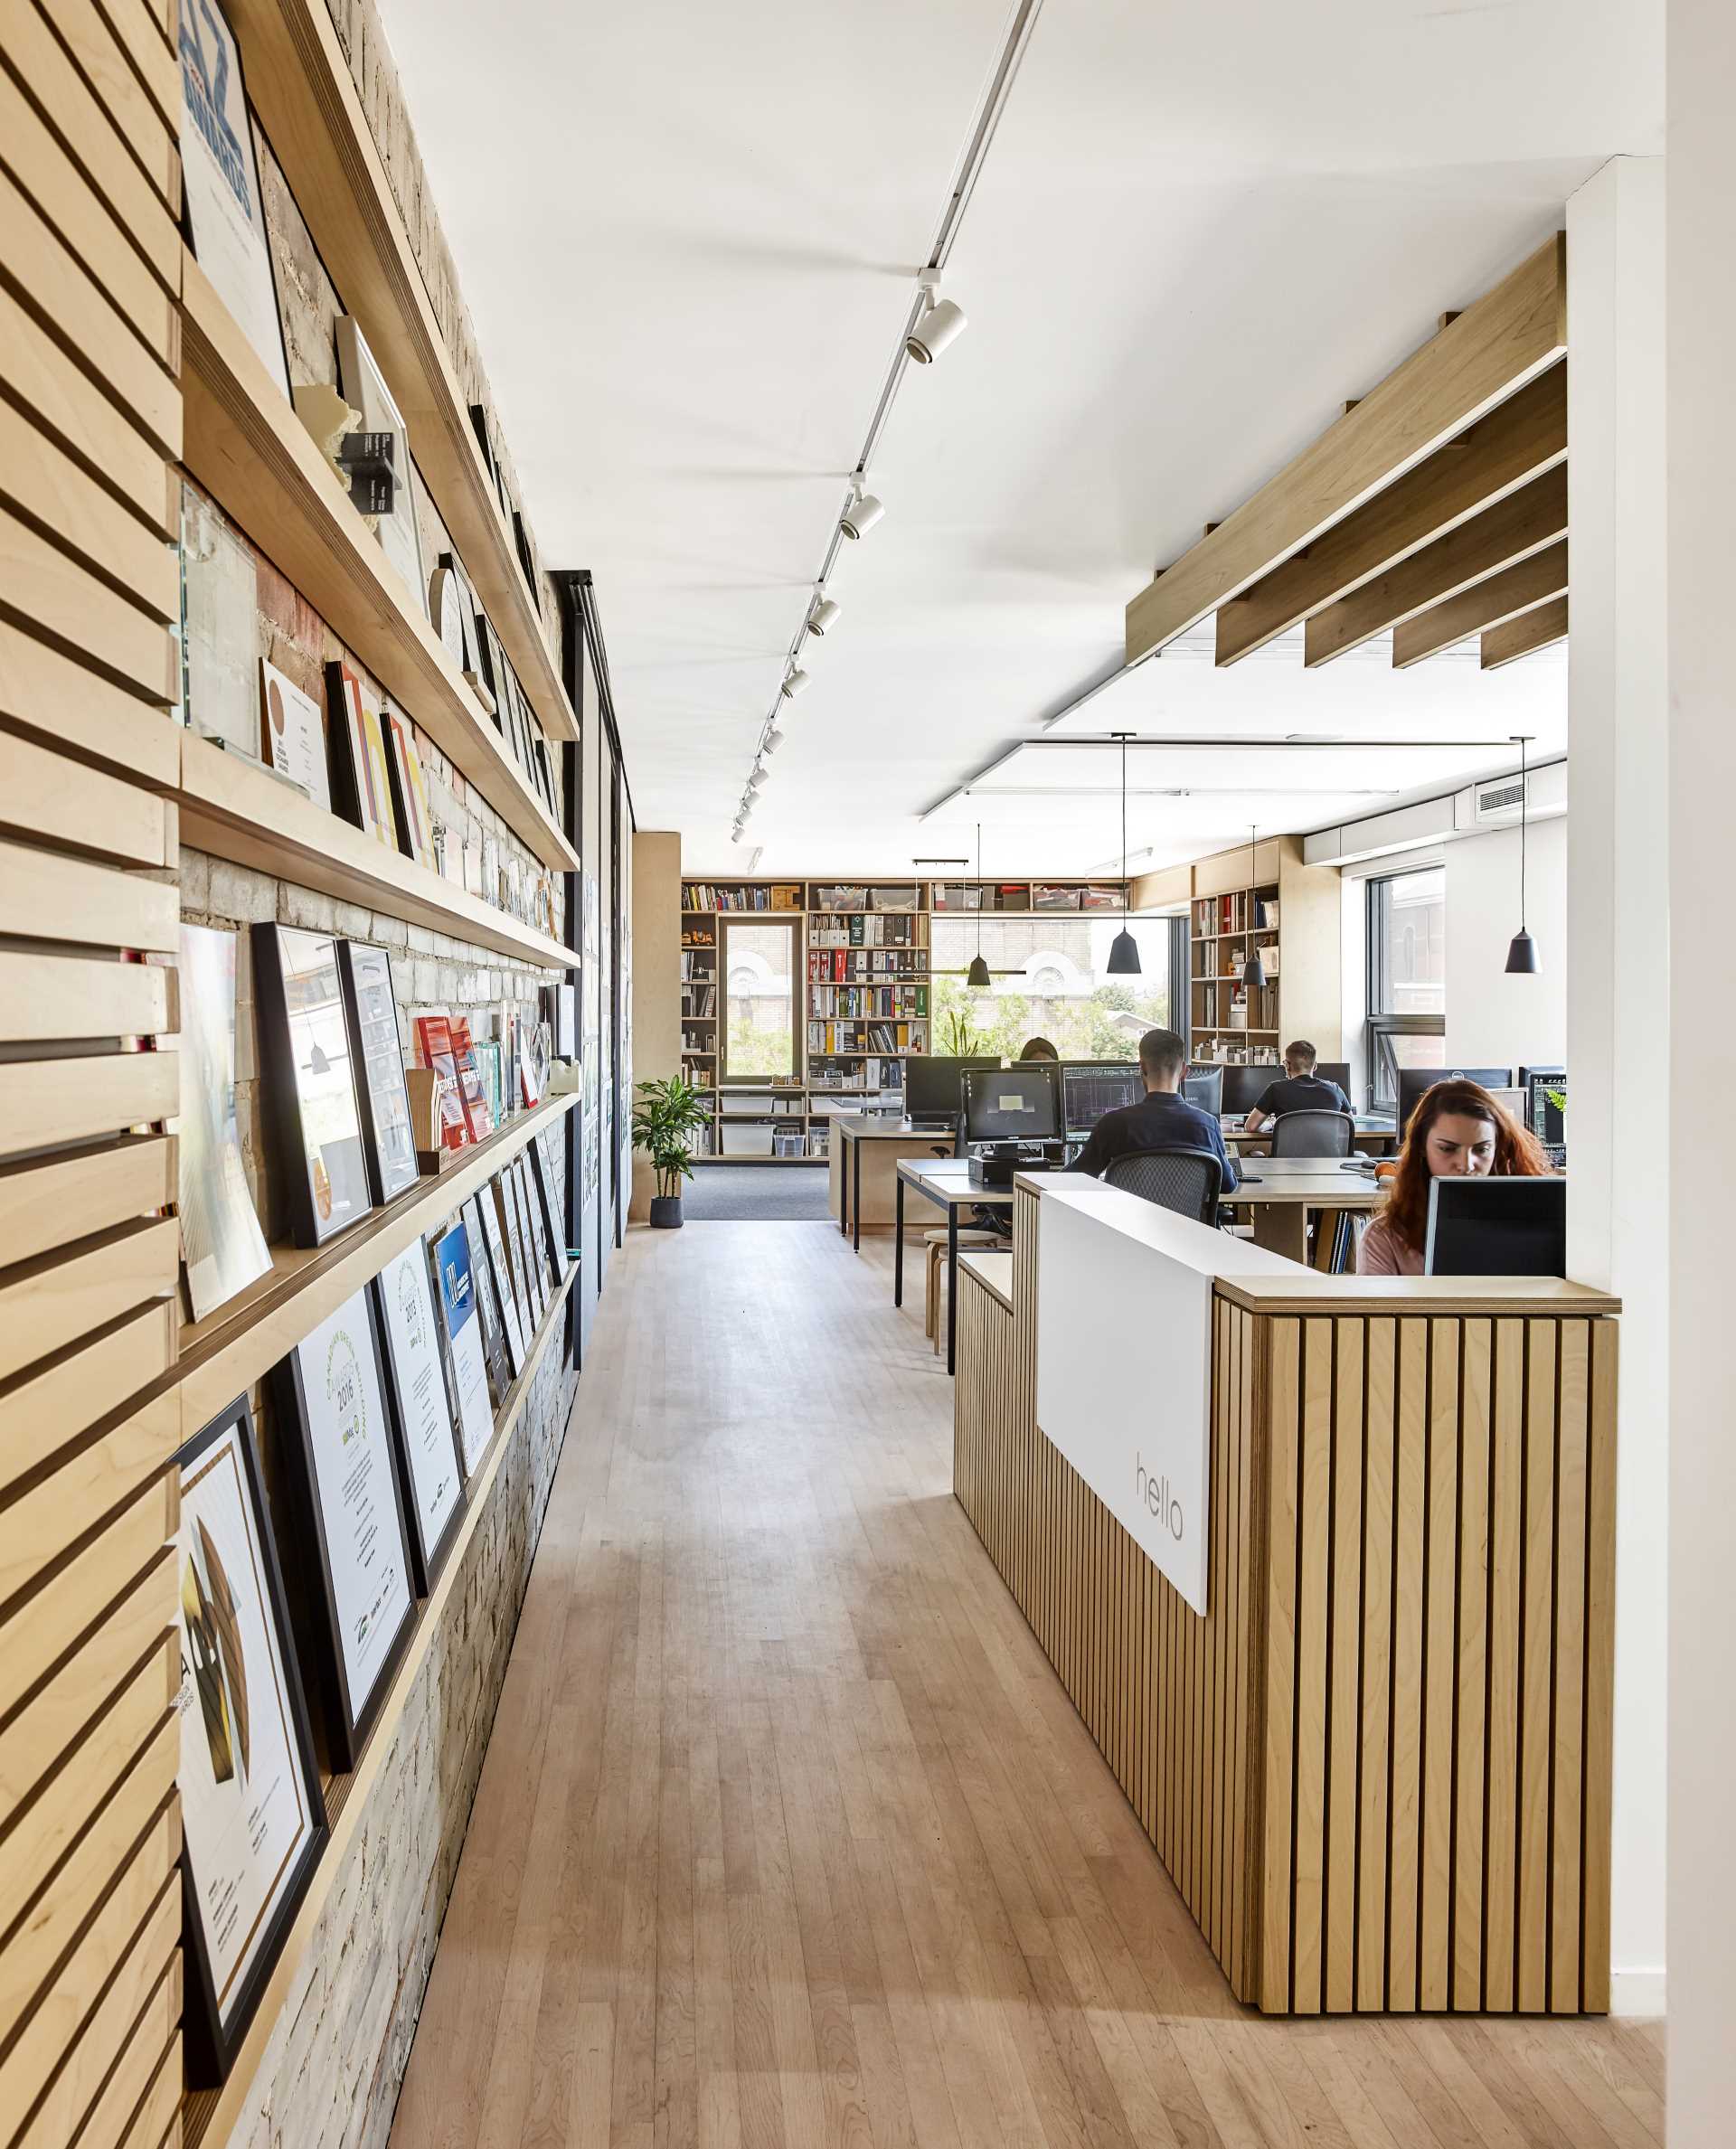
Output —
<point x="1012" y="1103"/>
<point x="1497" y="1227"/>
<point x="1089" y="1088"/>
<point x="1243" y="1086"/>
<point x="1546" y="1104"/>
<point x="1203" y="1086"/>
<point x="931" y="1085"/>
<point x="1415" y="1083"/>
<point x="1334" y="1070"/>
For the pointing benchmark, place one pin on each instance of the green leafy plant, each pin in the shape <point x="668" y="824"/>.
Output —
<point x="668" y="1111"/>
<point x="960" y="1040"/>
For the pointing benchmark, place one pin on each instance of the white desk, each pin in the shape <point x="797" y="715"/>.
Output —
<point x="947" y="1184"/>
<point x="1279" y="1192"/>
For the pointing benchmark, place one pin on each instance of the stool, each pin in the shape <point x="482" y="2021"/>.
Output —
<point x="936" y="1242"/>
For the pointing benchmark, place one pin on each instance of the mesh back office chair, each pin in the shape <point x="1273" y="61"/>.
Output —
<point x="1312" y="1134"/>
<point x="1184" y="1180"/>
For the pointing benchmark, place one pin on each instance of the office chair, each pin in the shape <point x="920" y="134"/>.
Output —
<point x="1183" y="1180"/>
<point x="1312" y="1134"/>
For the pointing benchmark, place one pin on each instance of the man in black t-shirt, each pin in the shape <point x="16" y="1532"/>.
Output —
<point x="1164" y="1120"/>
<point x="1300" y="1091"/>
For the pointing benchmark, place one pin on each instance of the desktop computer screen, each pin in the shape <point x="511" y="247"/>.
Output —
<point x="1203" y="1086"/>
<point x="1334" y="1070"/>
<point x="1415" y="1083"/>
<point x="931" y="1085"/>
<point x="1012" y="1103"/>
<point x="1243" y="1086"/>
<point x="1497" y="1227"/>
<point x="1089" y="1088"/>
<point x="1545" y="1091"/>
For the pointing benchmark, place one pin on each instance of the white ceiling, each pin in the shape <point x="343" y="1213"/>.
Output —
<point x="688" y="235"/>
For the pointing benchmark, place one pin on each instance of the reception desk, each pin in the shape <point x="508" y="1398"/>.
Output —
<point x="1377" y="1768"/>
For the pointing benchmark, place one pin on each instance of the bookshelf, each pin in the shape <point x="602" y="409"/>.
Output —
<point x="1270" y="900"/>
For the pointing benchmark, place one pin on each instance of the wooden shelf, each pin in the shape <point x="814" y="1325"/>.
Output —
<point x="243" y="442"/>
<point x="209" y="2114"/>
<point x="300" y="83"/>
<point x="224" y="1355"/>
<point x="238" y="811"/>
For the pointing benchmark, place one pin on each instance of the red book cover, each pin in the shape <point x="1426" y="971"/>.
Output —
<point x="434" y="1044"/>
<point x="470" y="1088"/>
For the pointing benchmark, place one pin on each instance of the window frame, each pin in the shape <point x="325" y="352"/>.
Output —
<point x="788" y="922"/>
<point x="1381" y="1026"/>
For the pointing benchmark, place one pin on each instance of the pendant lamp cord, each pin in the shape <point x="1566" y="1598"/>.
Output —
<point x="1522" y="836"/>
<point x="1124" y="824"/>
<point x="979" y="891"/>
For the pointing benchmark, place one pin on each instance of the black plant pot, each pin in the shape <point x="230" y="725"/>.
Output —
<point x="666" y="1212"/>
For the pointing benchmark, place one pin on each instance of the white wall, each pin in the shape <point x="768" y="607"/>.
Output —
<point x="1493" y="1020"/>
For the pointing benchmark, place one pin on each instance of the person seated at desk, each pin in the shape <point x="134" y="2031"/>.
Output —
<point x="1299" y="1090"/>
<point x="1458" y="1131"/>
<point x="1038" y="1048"/>
<point x="1164" y="1120"/>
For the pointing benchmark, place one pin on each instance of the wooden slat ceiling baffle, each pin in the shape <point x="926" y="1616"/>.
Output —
<point x="1503" y="596"/>
<point x="1524" y="636"/>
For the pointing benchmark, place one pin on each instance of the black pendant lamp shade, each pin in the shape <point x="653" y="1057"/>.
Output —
<point x="1521" y="952"/>
<point x="1253" y="971"/>
<point x="1124" y="949"/>
<point x="978" y="976"/>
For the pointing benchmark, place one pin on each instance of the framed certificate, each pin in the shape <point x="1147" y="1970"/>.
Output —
<point x="371" y="1011"/>
<point x="310" y="1080"/>
<point x="293" y="733"/>
<point x="222" y="1247"/>
<point x="254" y="1820"/>
<point x="550" y="1209"/>
<point x="494" y="1339"/>
<point x="462" y="1328"/>
<point x="364" y="389"/>
<point x="408" y="791"/>
<point x="524" y="1253"/>
<point x="422" y="1413"/>
<point x="500" y="1273"/>
<point x="495" y="1194"/>
<point x="362" y="786"/>
<point x="541" y="1250"/>
<point x="358" y="1605"/>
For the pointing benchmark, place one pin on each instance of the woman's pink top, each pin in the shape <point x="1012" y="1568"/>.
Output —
<point x="1384" y="1253"/>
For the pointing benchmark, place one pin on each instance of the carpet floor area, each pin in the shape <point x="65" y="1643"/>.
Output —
<point x="755" y="1193"/>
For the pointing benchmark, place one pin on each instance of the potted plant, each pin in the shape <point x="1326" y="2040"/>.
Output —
<point x="667" y="1112"/>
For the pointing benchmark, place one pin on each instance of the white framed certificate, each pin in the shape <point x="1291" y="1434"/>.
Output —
<point x="293" y="731"/>
<point x="421" y="1414"/>
<point x="463" y="1326"/>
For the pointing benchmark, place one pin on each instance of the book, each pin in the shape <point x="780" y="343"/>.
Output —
<point x="434" y="1050"/>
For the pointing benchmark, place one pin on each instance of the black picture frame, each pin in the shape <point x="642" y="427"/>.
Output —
<point x="382" y="1101"/>
<point x="545" y="1196"/>
<point x="318" y="1212"/>
<point x="426" y="1560"/>
<point x="514" y="1342"/>
<point x="495" y="1354"/>
<point x="316" y="1610"/>
<point x="213" y="2043"/>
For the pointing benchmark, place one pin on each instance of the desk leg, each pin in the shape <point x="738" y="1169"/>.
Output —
<point x="855" y="1195"/>
<point x="898" y="1245"/>
<point x="952" y="1283"/>
<point x="844" y="1184"/>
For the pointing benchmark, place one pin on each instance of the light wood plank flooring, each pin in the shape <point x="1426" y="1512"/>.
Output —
<point x="787" y="1834"/>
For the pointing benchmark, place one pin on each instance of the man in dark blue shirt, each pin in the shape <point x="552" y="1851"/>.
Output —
<point x="1164" y="1120"/>
<point x="1300" y="1091"/>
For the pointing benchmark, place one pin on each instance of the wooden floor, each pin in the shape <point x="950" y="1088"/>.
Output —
<point x="788" y="1834"/>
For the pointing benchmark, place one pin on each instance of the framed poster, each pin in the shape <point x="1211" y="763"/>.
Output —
<point x="254" y="1820"/>
<point x="550" y="1207"/>
<point x="363" y="387"/>
<point x="462" y="1328"/>
<point x="518" y="1279"/>
<point x="501" y="1370"/>
<point x="525" y="1246"/>
<point x="222" y="1247"/>
<point x="421" y="1411"/>
<point x="541" y="1251"/>
<point x="500" y="1270"/>
<point x="310" y="1080"/>
<point x="360" y="1604"/>
<point x="408" y="791"/>
<point x="389" y="1139"/>
<point x="220" y="180"/>
<point x="362" y="788"/>
<point x="293" y="733"/>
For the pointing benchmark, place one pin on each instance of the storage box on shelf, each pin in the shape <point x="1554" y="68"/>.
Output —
<point x="1290" y="913"/>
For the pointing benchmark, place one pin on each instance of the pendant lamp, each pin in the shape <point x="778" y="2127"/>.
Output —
<point x="1521" y="953"/>
<point x="1253" y="971"/>
<point x="1124" y="949"/>
<point x="977" y="974"/>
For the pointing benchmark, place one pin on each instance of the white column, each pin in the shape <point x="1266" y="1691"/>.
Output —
<point x="1701" y="325"/>
<point x="1618" y="994"/>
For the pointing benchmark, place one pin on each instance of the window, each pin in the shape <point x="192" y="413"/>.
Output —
<point x="758" y="964"/>
<point x="1050" y="979"/>
<point x="1407" y="976"/>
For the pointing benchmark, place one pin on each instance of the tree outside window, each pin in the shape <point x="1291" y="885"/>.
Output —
<point x="1050" y="980"/>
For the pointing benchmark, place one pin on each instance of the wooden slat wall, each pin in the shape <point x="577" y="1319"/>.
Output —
<point x="90" y="424"/>
<point x="1378" y="1770"/>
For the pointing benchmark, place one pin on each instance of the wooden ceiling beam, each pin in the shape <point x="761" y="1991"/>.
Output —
<point x="1503" y="596"/>
<point x="1522" y="637"/>
<point x="1521" y="524"/>
<point x="1516" y="442"/>
<point x="1512" y="333"/>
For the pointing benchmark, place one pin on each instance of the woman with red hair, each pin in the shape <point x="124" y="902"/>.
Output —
<point x="1458" y="1131"/>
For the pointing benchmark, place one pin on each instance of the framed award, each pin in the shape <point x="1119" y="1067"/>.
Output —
<point x="550" y="1207"/>
<point x="222" y="1247"/>
<point x="293" y="733"/>
<point x="253" y="1819"/>
<point x="488" y="1216"/>
<point x="542" y="1250"/>
<point x="364" y="389"/>
<point x="362" y="788"/>
<point x="463" y="1329"/>
<point x="518" y="1279"/>
<point x="388" y="1137"/>
<point x="408" y="791"/>
<point x="309" y="1065"/>
<point x="529" y="1253"/>
<point x="358" y="1603"/>
<point x="494" y="1340"/>
<point x="421" y="1411"/>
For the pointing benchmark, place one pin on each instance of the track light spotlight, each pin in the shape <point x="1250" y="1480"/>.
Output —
<point x="863" y="512"/>
<point x="795" y="682"/>
<point x="737" y="832"/>
<point x="941" y="324"/>
<point x="774" y="739"/>
<point x="757" y="779"/>
<point x="824" y="615"/>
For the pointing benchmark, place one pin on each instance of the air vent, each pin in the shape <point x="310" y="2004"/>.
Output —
<point x="1499" y="802"/>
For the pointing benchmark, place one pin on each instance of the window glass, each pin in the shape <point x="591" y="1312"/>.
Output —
<point x="1408" y="943"/>
<point x="758" y="968"/>
<point x="1048" y="979"/>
